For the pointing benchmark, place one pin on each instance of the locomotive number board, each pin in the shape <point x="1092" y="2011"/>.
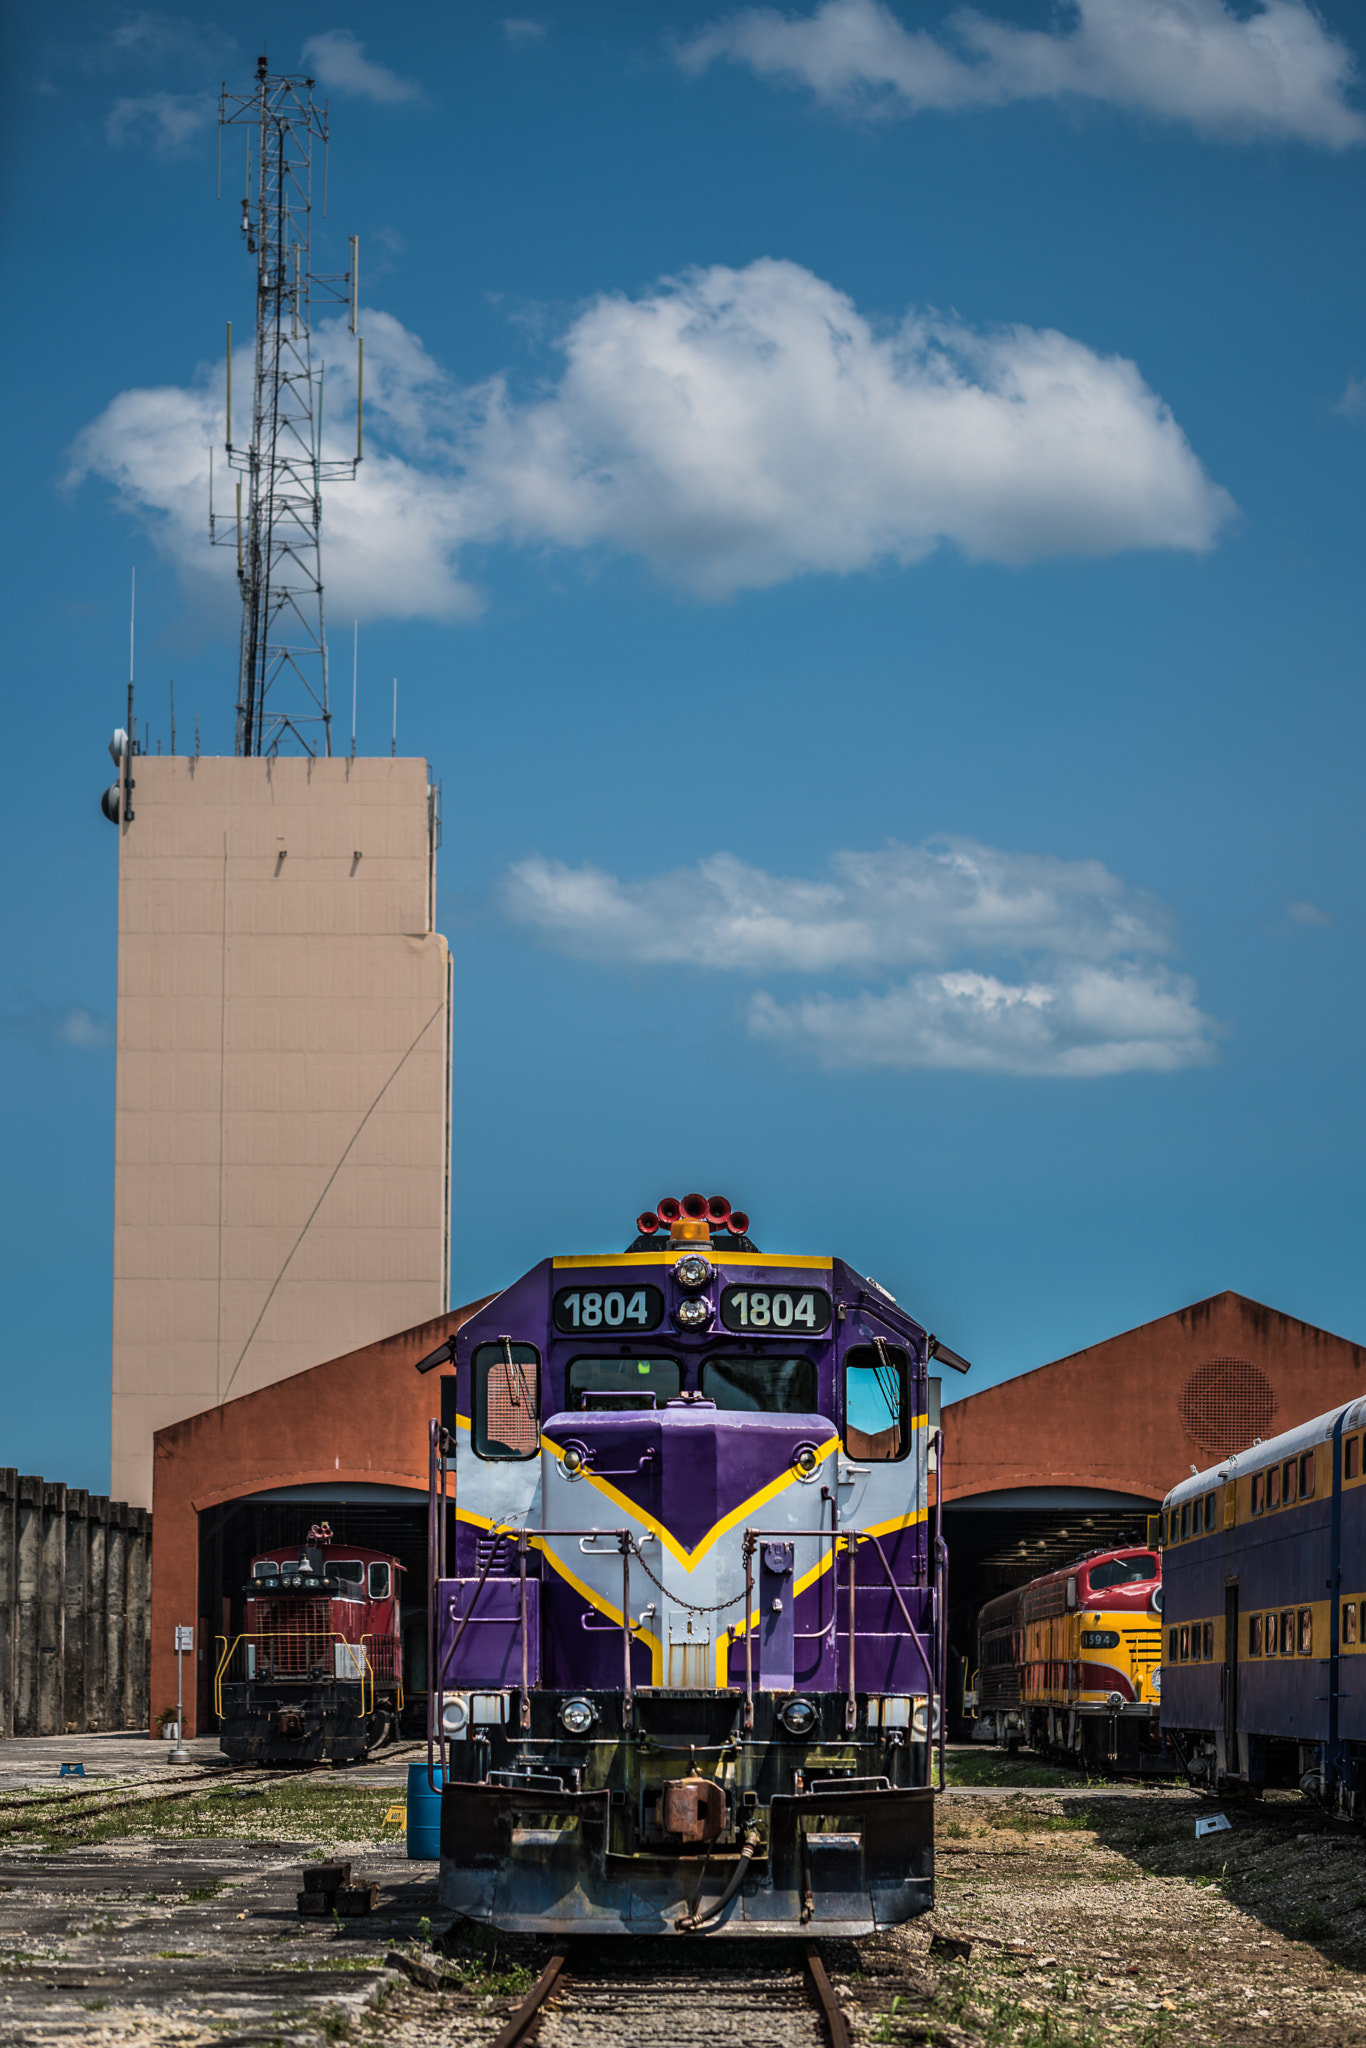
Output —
<point x="805" y="1311"/>
<point x="608" y="1308"/>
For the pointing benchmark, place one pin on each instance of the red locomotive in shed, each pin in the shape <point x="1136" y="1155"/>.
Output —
<point x="317" y="1671"/>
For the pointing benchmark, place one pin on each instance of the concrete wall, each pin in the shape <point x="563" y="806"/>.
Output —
<point x="1131" y="1415"/>
<point x="282" y="1129"/>
<point x="361" y="1419"/>
<point x="75" y="1609"/>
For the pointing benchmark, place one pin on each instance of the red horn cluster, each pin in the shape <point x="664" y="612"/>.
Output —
<point x="712" y="1209"/>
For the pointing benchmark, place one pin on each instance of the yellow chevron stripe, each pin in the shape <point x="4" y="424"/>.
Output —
<point x="690" y="1559"/>
<point x="605" y="1607"/>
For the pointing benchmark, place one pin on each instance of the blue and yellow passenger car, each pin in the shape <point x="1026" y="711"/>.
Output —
<point x="1264" y="1571"/>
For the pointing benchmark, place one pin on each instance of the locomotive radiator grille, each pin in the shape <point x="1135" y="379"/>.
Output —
<point x="297" y="1637"/>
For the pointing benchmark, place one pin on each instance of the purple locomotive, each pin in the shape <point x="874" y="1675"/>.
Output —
<point x="687" y="1598"/>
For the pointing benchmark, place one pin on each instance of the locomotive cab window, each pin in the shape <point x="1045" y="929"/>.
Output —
<point x="1122" y="1571"/>
<point x="349" y="1570"/>
<point x="622" y="1382"/>
<point x="265" y="1568"/>
<point x="507" y="1401"/>
<point x="379" y="1577"/>
<point x="875" y="1387"/>
<point x="764" y="1386"/>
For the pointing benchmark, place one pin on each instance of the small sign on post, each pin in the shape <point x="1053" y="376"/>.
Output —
<point x="184" y="1640"/>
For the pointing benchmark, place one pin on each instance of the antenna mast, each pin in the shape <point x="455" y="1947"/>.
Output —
<point x="282" y="678"/>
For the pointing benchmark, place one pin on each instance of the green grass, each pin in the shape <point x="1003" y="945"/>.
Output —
<point x="315" y="1811"/>
<point x="990" y="1767"/>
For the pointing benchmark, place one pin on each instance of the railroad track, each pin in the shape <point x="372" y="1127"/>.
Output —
<point x="756" y="1993"/>
<point x="70" y="1810"/>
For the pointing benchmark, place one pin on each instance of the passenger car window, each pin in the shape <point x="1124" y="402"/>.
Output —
<point x="1273" y="1487"/>
<point x="1209" y="1510"/>
<point x="1258" y="1493"/>
<point x="1306" y="1632"/>
<point x="1307" y="1475"/>
<point x="1254" y="1635"/>
<point x="1208" y="1643"/>
<point x="766" y="1386"/>
<point x="1287" y="1631"/>
<point x="652" y="1381"/>
<point x="1185" y="1644"/>
<point x="1349" y="1621"/>
<point x="875" y="1420"/>
<point x="1288" y="1482"/>
<point x="1351" y="1455"/>
<point x="1185" y="1519"/>
<point x="507" y="1400"/>
<point x="379" y="1581"/>
<point x="1171" y="1647"/>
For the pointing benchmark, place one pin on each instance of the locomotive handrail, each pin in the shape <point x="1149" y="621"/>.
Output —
<point x="364" y="1662"/>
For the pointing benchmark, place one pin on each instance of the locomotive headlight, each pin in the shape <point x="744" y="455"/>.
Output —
<point x="694" y="1315"/>
<point x="798" y="1717"/>
<point x="455" y="1716"/>
<point x="692" y="1272"/>
<point x="577" y="1716"/>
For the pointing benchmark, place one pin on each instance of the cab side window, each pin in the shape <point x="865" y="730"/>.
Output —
<point x="379" y="1581"/>
<point x="507" y="1400"/>
<point x="876" y="1380"/>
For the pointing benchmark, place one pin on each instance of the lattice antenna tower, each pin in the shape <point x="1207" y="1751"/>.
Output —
<point x="282" y="694"/>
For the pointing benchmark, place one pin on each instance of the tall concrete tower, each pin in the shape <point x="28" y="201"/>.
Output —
<point x="283" y="1118"/>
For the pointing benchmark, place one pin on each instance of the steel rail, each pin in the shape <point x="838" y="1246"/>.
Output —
<point x="837" y="2026"/>
<point x="520" y="2023"/>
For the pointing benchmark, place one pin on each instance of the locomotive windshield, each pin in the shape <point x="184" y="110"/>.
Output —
<point x="507" y="1401"/>
<point x="652" y="1381"/>
<point x="767" y="1386"/>
<point x="1122" y="1571"/>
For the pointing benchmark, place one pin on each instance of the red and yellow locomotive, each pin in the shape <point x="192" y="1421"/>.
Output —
<point x="317" y="1671"/>
<point x="1072" y="1662"/>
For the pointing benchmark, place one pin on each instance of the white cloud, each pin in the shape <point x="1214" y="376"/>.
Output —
<point x="735" y="428"/>
<point x="1270" y="72"/>
<point x="390" y="538"/>
<point x="1078" y="1024"/>
<point x="77" y="1028"/>
<point x="897" y="907"/>
<point x="166" y="120"/>
<point x="338" y="61"/>
<point x="522" y="29"/>
<point x="1095" y="996"/>
<point x="1352" y="404"/>
<point x="1300" y="911"/>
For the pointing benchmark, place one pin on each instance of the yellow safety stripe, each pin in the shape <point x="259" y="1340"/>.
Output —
<point x="594" y="1600"/>
<point x="670" y="1255"/>
<point x="690" y="1559"/>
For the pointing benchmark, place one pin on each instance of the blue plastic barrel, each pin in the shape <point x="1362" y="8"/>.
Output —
<point x="424" y="1812"/>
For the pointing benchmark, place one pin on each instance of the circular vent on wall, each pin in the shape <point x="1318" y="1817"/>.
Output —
<point x="1227" y="1402"/>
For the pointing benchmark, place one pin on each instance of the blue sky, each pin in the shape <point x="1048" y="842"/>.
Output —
<point x="865" y="509"/>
